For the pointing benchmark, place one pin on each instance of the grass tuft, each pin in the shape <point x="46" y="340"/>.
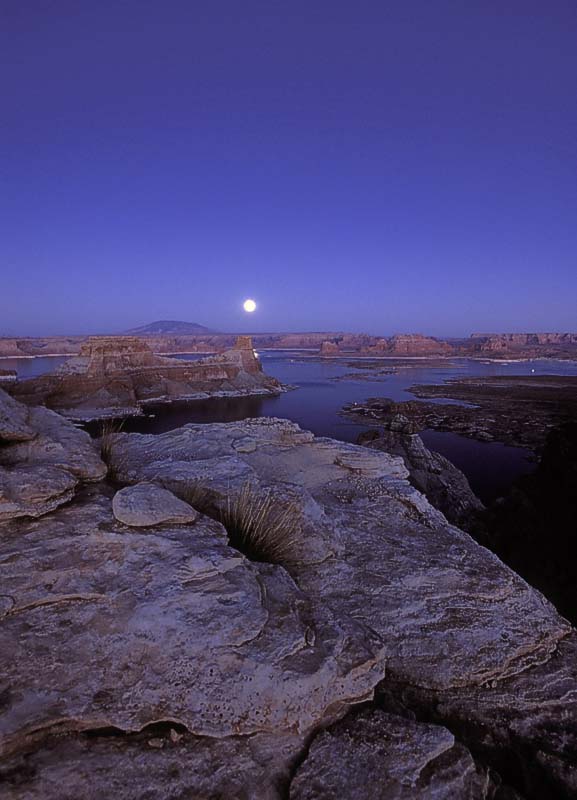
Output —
<point x="258" y="524"/>
<point x="109" y="428"/>
<point x="262" y="527"/>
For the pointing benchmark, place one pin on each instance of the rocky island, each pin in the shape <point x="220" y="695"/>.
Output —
<point x="118" y="376"/>
<point x="243" y="610"/>
<point x="515" y="410"/>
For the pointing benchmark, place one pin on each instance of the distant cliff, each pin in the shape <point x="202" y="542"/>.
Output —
<point x="499" y="345"/>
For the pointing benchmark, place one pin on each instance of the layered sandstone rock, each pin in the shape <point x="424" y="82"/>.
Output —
<point x="525" y="344"/>
<point x="163" y="661"/>
<point x="462" y="634"/>
<point x="117" y="376"/>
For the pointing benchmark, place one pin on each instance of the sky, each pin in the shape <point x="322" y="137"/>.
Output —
<point x="380" y="165"/>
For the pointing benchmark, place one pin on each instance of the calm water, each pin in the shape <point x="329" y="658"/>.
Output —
<point x="320" y="395"/>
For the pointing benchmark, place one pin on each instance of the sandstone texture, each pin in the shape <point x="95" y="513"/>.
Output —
<point x="147" y="504"/>
<point x="161" y="661"/>
<point x="43" y="458"/>
<point x="118" y="376"/>
<point x="383" y="756"/>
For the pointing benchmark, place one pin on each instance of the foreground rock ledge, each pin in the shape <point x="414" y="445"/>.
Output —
<point x="216" y="675"/>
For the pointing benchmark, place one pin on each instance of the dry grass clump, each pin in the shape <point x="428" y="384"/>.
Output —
<point x="109" y="428"/>
<point x="262" y="527"/>
<point x="258" y="524"/>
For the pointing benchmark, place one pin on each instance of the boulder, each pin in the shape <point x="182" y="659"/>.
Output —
<point x="146" y="504"/>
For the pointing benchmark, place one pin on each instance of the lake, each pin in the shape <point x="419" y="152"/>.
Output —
<point x="322" y="390"/>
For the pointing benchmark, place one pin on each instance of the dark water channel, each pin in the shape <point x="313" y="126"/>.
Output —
<point x="321" y="391"/>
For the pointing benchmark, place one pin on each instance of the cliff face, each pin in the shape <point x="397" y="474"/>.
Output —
<point x="116" y="376"/>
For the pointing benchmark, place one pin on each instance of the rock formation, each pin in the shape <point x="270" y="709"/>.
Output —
<point x="445" y="486"/>
<point x="43" y="458"/>
<point x="117" y="376"/>
<point x="144" y="655"/>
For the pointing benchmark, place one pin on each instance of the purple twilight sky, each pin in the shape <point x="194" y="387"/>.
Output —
<point x="365" y="166"/>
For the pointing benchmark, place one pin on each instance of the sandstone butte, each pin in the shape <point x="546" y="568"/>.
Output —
<point x="118" y="376"/>
<point x="142" y="655"/>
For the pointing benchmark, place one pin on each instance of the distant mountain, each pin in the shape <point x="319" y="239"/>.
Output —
<point x="170" y="327"/>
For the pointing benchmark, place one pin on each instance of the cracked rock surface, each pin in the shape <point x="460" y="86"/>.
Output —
<point x="162" y="662"/>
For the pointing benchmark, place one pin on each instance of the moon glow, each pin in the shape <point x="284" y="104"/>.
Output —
<point x="249" y="306"/>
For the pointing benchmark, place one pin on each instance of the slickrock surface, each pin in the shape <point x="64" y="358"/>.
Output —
<point x="116" y="376"/>
<point x="383" y="756"/>
<point x="128" y="629"/>
<point x="147" y="504"/>
<point x="452" y="617"/>
<point x="163" y="662"/>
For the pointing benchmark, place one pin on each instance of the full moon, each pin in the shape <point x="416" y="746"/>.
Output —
<point x="249" y="305"/>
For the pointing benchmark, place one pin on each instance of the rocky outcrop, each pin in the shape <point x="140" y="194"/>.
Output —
<point x="554" y="345"/>
<point x="43" y="458"/>
<point x="442" y="483"/>
<point x="162" y="659"/>
<point x="118" y="376"/>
